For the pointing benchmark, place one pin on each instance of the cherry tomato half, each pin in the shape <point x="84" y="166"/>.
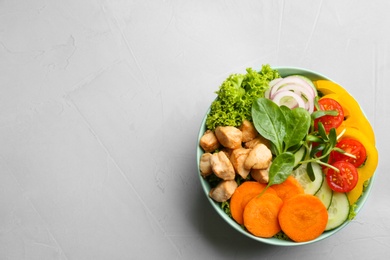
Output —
<point x="329" y="121"/>
<point x="353" y="147"/>
<point x="345" y="179"/>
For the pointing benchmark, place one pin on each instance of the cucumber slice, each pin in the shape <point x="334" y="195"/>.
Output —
<point x="310" y="187"/>
<point x="325" y="194"/>
<point x="299" y="156"/>
<point x="338" y="210"/>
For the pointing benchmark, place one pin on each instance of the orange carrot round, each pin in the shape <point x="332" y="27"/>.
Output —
<point x="242" y="195"/>
<point x="288" y="189"/>
<point x="261" y="215"/>
<point x="303" y="217"/>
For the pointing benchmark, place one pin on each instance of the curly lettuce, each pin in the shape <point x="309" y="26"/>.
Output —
<point x="352" y="208"/>
<point x="236" y="95"/>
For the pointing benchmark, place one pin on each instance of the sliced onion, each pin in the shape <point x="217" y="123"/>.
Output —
<point x="274" y="81"/>
<point x="292" y="91"/>
<point x="289" y="99"/>
<point x="308" y="82"/>
<point x="292" y="80"/>
<point x="267" y="93"/>
<point x="310" y="106"/>
<point x="271" y="84"/>
<point x="297" y="89"/>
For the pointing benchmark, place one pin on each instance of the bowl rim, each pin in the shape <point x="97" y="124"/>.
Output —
<point x="284" y="71"/>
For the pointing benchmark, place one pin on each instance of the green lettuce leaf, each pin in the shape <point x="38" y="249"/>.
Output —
<point x="236" y="95"/>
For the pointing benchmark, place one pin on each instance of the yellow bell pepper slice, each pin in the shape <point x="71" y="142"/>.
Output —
<point x="354" y="116"/>
<point x="329" y="87"/>
<point x="368" y="169"/>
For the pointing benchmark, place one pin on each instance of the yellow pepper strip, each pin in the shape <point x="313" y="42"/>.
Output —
<point x="329" y="87"/>
<point x="354" y="116"/>
<point x="368" y="169"/>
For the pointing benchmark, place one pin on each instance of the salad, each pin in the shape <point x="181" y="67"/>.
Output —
<point x="286" y="157"/>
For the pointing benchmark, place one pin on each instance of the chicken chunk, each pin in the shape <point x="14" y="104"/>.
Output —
<point x="248" y="130"/>
<point x="229" y="136"/>
<point x="205" y="164"/>
<point x="223" y="191"/>
<point x="238" y="157"/>
<point x="257" y="140"/>
<point x="227" y="151"/>
<point x="259" y="157"/>
<point x="209" y="141"/>
<point x="260" y="175"/>
<point x="222" y="167"/>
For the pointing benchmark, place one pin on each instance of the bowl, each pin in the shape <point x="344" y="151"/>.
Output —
<point x="283" y="71"/>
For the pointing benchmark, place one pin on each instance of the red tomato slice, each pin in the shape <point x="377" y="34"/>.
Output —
<point x="329" y="121"/>
<point x="353" y="147"/>
<point x="344" y="180"/>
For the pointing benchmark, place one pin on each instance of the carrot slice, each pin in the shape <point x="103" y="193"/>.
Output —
<point x="242" y="195"/>
<point x="261" y="215"/>
<point x="288" y="189"/>
<point x="303" y="217"/>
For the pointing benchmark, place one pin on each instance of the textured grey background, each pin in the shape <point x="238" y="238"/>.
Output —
<point x="100" y="106"/>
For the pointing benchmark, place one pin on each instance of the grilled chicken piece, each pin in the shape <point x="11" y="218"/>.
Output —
<point x="229" y="136"/>
<point x="238" y="157"/>
<point x="227" y="151"/>
<point x="257" y="140"/>
<point x="260" y="175"/>
<point x="259" y="157"/>
<point x="223" y="191"/>
<point x="222" y="167"/>
<point x="248" y="130"/>
<point x="252" y="143"/>
<point x="205" y="164"/>
<point x="209" y="141"/>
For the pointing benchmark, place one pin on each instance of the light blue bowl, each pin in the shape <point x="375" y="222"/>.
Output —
<point x="284" y="71"/>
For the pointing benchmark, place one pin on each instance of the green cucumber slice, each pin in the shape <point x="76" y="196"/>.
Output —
<point x="310" y="187"/>
<point x="338" y="210"/>
<point x="325" y="194"/>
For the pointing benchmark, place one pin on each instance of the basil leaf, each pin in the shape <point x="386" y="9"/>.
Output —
<point x="286" y="112"/>
<point x="269" y="121"/>
<point x="281" y="168"/>
<point x="298" y="124"/>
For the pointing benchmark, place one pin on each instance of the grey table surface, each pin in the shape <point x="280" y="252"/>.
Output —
<point x="100" y="106"/>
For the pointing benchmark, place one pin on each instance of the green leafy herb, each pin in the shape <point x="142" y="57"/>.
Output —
<point x="321" y="113"/>
<point x="270" y="122"/>
<point x="281" y="168"/>
<point x="324" y="145"/>
<point x="352" y="212"/>
<point x="282" y="236"/>
<point x="283" y="127"/>
<point x="226" y="208"/>
<point x="298" y="124"/>
<point x="365" y="185"/>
